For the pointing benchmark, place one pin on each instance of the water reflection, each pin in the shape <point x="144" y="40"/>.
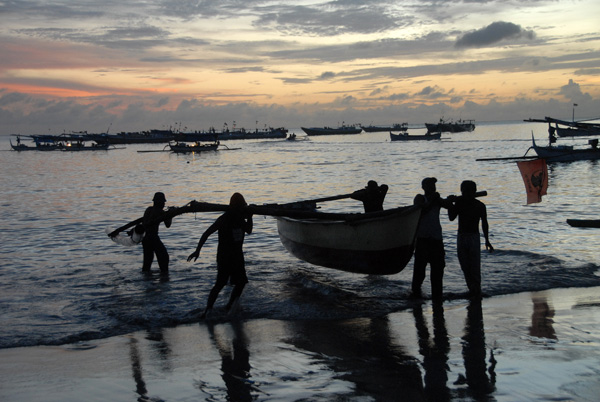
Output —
<point x="542" y="319"/>
<point x="362" y="351"/>
<point x="136" y="368"/>
<point x="235" y="362"/>
<point x="434" y="352"/>
<point x="479" y="378"/>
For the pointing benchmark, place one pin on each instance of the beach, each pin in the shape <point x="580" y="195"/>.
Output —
<point x="531" y="346"/>
<point x="81" y="322"/>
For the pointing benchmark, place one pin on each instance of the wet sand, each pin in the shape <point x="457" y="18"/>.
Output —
<point x="533" y="346"/>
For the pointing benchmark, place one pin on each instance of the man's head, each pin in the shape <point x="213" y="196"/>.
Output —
<point x="468" y="188"/>
<point x="428" y="184"/>
<point x="159" y="198"/>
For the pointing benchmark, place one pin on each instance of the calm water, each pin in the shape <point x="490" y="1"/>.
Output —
<point x="63" y="280"/>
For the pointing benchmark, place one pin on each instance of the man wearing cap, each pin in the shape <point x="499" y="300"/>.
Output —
<point x="429" y="246"/>
<point x="152" y="244"/>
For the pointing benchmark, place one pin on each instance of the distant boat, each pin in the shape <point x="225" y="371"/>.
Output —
<point x="40" y="143"/>
<point x="78" y="146"/>
<point x="332" y="131"/>
<point x="182" y="147"/>
<point x="140" y="137"/>
<point x="393" y="127"/>
<point x="564" y="128"/>
<point x="407" y="137"/>
<point x="444" y="126"/>
<point x="377" y="243"/>
<point x="257" y="134"/>
<point x="566" y="153"/>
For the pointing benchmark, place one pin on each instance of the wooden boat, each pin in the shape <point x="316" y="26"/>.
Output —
<point x="407" y="137"/>
<point x="79" y="146"/>
<point x="379" y="243"/>
<point x="257" y="134"/>
<point x="144" y="137"/>
<point x="332" y="131"/>
<point x="564" y="128"/>
<point x="393" y="127"/>
<point x="444" y="126"/>
<point x="183" y="147"/>
<point x="40" y="144"/>
<point x="566" y="153"/>
<point x="584" y="223"/>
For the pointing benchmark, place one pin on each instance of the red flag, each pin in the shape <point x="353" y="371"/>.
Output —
<point x="535" y="177"/>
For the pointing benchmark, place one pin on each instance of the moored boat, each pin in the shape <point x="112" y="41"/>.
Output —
<point x="77" y="146"/>
<point x="564" y="128"/>
<point x="566" y="153"/>
<point x="406" y="137"/>
<point x="393" y="127"/>
<point x="444" y="126"/>
<point x="41" y="143"/>
<point x="182" y="147"/>
<point x="144" y="137"/>
<point x="379" y="243"/>
<point x="332" y="131"/>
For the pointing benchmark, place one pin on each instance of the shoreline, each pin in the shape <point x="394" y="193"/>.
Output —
<point x="526" y="346"/>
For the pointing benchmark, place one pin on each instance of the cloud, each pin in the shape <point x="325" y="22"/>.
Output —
<point x="572" y="91"/>
<point x="493" y="33"/>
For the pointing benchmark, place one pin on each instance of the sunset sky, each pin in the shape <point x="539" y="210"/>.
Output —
<point x="75" y="65"/>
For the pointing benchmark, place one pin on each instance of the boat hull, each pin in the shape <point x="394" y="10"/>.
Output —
<point x="566" y="154"/>
<point x="584" y="223"/>
<point x="331" y="131"/>
<point x="379" y="245"/>
<point x="376" y="129"/>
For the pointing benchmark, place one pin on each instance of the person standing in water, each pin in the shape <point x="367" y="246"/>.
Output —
<point x="470" y="212"/>
<point x="371" y="196"/>
<point x="429" y="247"/>
<point x="232" y="227"/>
<point x="151" y="243"/>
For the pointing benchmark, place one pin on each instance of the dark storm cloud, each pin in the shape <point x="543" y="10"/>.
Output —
<point x="494" y="33"/>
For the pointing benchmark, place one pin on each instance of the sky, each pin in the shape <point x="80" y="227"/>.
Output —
<point x="108" y="65"/>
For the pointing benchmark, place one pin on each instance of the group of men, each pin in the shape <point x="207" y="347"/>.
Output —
<point x="429" y="246"/>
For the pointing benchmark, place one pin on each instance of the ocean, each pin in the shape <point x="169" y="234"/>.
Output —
<point x="64" y="280"/>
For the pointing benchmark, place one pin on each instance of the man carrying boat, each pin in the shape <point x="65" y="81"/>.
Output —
<point x="232" y="227"/>
<point x="152" y="244"/>
<point x="371" y="196"/>
<point x="429" y="246"/>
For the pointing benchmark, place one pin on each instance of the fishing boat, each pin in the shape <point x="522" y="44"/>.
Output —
<point x="566" y="153"/>
<point x="143" y="137"/>
<point x="183" y="147"/>
<point x="257" y="134"/>
<point x="78" y="146"/>
<point x="40" y="143"/>
<point x="444" y="126"/>
<point x="564" y="128"/>
<point x="393" y="127"/>
<point x="332" y="131"/>
<point x="377" y="243"/>
<point x="406" y="137"/>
